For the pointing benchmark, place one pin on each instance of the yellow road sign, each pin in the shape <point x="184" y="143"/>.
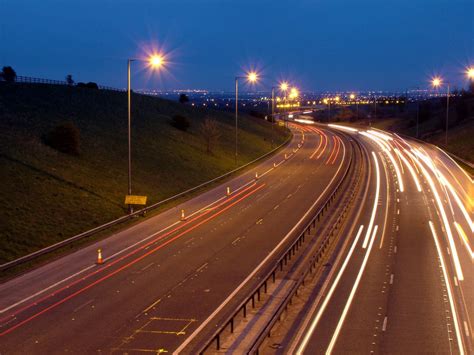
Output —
<point x="135" y="200"/>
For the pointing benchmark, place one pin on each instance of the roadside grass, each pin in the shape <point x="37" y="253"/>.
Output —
<point x="48" y="196"/>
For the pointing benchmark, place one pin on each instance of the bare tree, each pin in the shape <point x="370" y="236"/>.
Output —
<point x="210" y="132"/>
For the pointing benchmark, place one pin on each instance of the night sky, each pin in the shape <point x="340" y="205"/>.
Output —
<point x="318" y="45"/>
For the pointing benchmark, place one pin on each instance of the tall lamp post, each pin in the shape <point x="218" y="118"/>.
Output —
<point x="437" y="82"/>
<point x="251" y="77"/>
<point x="284" y="87"/>
<point x="155" y="61"/>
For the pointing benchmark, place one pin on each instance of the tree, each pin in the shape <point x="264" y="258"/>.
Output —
<point x="69" y="80"/>
<point x="65" y="137"/>
<point x="210" y="132"/>
<point x="8" y="74"/>
<point x="180" y="122"/>
<point x="183" y="98"/>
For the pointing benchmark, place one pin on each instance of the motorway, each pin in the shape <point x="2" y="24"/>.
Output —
<point x="403" y="283"/>
<point x="400" y="280"/>
<point x="167" y="282"/>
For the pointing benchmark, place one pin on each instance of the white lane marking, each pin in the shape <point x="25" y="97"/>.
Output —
<point x="259" y="266"/>
<point x="321" y="310"/>
<point x="376" y="199"/>
<point x="397" y="228"/>
<point x="395" y="249"/>
<point x="351" y="295"/>
<point x="384" y="325"/>
<point x="201" y="267"/>
<point x="391" y="279"/>
<point x="455" y="281"/>
<point x="398" y="211"/>
<point x="146" y="267"/>
<point x="466" y="329"/>
<point x="448" y="288"/>
<point x="82" y="306"/>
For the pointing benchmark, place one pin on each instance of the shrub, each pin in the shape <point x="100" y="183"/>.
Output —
<point x="8" y="74"/>
<point x="65" y="137"/>
<point x="183" y="98"/>
<point x="180" y="122"/>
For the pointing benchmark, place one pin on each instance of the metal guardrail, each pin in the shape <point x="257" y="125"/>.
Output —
<point x="51" y="248"/>
<point x="33" y="80"/>
<point x="271" y="275"/>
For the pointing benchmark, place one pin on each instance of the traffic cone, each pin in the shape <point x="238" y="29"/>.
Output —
<point x="183" y="218"/>
<point x="228" y="191"/>
<point x="256" y="175"/>
<point x="274" y="165"/>
<point x="100" y="261"/>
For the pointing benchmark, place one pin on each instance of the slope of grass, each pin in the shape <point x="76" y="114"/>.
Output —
<point x="47" y="196"/>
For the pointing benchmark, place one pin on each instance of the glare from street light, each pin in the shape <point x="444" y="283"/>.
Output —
<point x="337" y="98"/>
<point x="252" y="77"/>
<point x="284" y="86"/>
<point x="436" y="82"/>
<point x="470" y="73"/>
<point x="352" y="96"/>
<point x="156" y="60"/>
<point x="294" y="93"/>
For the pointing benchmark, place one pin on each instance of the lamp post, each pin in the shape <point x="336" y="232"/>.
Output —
<point x="155" y="61"/>
<point x="252" y="77"/>
<point x="284" y="87"/>
<point x="352" y="97"/>
<point x="437" y="82"/>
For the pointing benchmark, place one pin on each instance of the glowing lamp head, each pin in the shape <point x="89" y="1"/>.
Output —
<point x="337" y="98"/>
<point x="352" y="96"/>
<point x="326" y="101"/>
<point x="284" y="86"/>
<point x="470" y="73"/>
<point x="436" y="82"/>
<point x="156" y="60"/>
<point x="294" y="93"/>
<point x="252" y="77"/>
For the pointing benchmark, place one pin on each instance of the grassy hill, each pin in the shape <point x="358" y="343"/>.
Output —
<point x="47" y="196"/>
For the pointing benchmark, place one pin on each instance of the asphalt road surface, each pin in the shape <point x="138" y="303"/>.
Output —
<point x="163" y="279"/>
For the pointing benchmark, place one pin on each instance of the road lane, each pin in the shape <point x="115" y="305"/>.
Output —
<point x="179" y="284"/>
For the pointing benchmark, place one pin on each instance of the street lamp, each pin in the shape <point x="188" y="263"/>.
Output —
<point x="437" y="82"/>
<point x="251" y="77"/>
<point x="470" y="73"/>
<point x="155" y="61"/>
<point x="352" y="97"/>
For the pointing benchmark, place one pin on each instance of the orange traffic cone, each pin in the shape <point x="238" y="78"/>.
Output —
<point x="256" y="175"/>
<point x="183" y="217"/>
<point x="100" y="261"/>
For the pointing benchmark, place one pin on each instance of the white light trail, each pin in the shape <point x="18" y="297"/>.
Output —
<point x="345" y="128"/>
<point x="376" y="200"/>
<point x="351" y="296"/>
<point x="410" y="168"/>
<point x="447" y="227"/>
<point x="448" y="288"/>
<point x="321" y="310"/>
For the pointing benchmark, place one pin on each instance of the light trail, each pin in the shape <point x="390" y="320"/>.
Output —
<point x="376" y="200"/>
<point x="321" y="310"/>
<point x="410" y="168"/>
<point x="351" y="295"/>
<point x="463" y="236"/>
<point x="345" y="128"/>
<point x="319" y="145"/>
<point x="448" y="288"/>
<point x="447" y="227"/>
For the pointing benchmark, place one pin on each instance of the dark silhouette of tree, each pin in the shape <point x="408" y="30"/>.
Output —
<point x="425" y="111"/>
<point x="92" y="85"/>
<point x="8" y="74"/>
<point x="209" y="130"/>
<point x="180" y="122"/>
<point x="183" y="98"/>
<point x="69" y="80"/>
<point x="65" y="137"/>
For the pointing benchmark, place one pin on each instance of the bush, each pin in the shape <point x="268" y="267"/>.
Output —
<point x="180" y="122"/>
<point x="8" y="74"/>
<point x="183" y="98"/>
<point x="65" y="137"/>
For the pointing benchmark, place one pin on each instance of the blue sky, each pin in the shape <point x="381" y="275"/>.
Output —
<point x="318" y="45"/>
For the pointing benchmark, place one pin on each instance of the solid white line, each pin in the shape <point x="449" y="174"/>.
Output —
<point x="448" y="288"/>
<point x="391" y="279"/>
<point x="351" y="295"/>
<point x="321" y="310"/>
<point x="257" y="269"/>
<point x="376" y="199"/>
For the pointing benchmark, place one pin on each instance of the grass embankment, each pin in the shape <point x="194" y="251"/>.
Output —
<point x="47" y="196"/>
